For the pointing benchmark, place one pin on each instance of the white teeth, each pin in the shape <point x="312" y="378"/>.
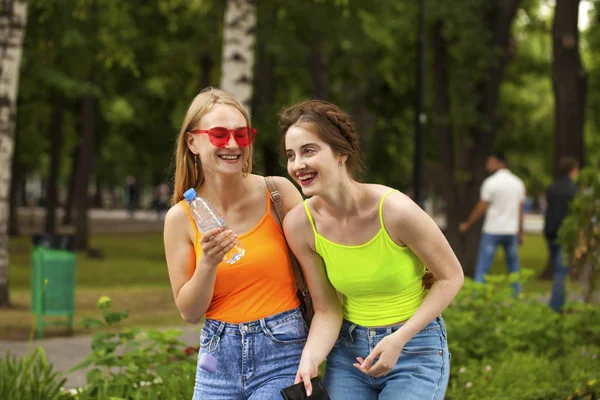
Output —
<point x="229" y="157"/>
<point x="306" y="177"/>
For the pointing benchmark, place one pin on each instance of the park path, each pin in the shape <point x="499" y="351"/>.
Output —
<point x="66" y="352"/>
<point x="31" y="220"/>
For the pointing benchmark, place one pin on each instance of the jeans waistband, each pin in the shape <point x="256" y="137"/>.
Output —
<point x="364" y="331"/>
<point x="219" y="327"/>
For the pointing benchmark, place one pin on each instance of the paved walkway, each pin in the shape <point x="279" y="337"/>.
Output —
<point x="66" y="352"/>
<point x="32" y="220"/>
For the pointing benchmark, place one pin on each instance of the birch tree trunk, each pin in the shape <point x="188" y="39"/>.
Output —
<point x="238" y="49"/>
<point x="13" y="19"/>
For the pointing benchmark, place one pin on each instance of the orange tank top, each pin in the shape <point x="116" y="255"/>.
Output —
<point x="261" y="283"/>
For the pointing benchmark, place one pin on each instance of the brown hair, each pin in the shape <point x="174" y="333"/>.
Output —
<point x="188" y="173"/>
<point x="566" y="165"/>
<point x="331" y="124"/>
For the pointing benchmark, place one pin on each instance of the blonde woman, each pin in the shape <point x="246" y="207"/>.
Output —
<point x="253" y="325"/>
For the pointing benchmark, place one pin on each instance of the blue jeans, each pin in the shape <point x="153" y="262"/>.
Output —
<point x="422" y="370"/>
<point x="559" y="276"/>
<point x="487" y="250"/>
<point x="256" y="359"/>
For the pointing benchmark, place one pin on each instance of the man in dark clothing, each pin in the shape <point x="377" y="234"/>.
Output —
<point x="558" y="197"/>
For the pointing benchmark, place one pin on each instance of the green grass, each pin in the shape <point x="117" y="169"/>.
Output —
<point x="134" y="274"/>
<point x="129" y="260"/>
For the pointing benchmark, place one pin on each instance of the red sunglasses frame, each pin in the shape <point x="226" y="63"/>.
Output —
<point x="221" y="141"/>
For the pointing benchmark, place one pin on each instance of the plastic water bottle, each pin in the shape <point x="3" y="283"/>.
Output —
<point x="206" y="218"/>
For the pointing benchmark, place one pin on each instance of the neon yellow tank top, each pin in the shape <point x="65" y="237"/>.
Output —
<point x="381" y="281"/>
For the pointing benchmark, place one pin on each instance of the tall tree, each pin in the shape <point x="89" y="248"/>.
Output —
<point x="84" y="170"/>
<point x="569" y="80"/>
<point x="466" y="140"/>
<point x="238" y="49"/>
<point x="56" y="141"/>
<point x="13" y="19"/>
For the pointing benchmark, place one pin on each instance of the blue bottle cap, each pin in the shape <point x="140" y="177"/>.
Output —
<point x="190" y="194"/>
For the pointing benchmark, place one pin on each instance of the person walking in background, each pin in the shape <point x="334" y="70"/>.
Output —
<point x="558" y="197"/>
<point x="132" y="195"/>
<point x="372" y="244"/>
<point x="501" y="200"/>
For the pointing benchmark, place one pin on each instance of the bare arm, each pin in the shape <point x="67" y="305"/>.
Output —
<point x="192" y="287"/>
<point x="521" y="219"/>
<point x="327" y="321"/>
<point x="407" y="223"/>
<point x="479" y="210"/>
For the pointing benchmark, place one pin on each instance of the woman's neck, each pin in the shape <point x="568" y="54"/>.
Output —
<point x="344" y="199"/>
<point x="224" y="191"/>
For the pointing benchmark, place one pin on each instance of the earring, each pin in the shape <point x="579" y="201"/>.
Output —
<point x="196" y="161"/>
<point x="245" y="170"/>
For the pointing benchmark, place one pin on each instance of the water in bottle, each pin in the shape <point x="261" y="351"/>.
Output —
<point x="206" y="218"/>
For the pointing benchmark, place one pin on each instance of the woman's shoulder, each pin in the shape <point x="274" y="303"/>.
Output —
<point x="377" y="192"/>
<point x="176" y="214"/>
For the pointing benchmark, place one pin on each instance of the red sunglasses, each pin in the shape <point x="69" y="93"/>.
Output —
<point x="219" y="136"/>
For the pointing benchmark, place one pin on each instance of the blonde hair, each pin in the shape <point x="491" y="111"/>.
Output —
<point x="187" y="173"/>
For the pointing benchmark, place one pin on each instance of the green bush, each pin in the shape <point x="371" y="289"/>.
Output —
<point x="135" y="364"/>
<point x="507" y="348"/>
<point x="579" y="233"/>
<point x="30" y="378"/>
<point x="528" y="376"/>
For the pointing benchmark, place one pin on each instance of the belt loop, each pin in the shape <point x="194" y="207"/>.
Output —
<point x="263" y="325"/>
<point x="350" y="331"/>
<point x="220" y="329"/>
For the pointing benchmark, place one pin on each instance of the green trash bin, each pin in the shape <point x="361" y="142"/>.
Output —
<point x="53" y="282"/>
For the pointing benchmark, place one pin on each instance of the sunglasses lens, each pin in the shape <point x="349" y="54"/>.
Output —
<point x="244" y="136"/>
<point x="218" y="136"/>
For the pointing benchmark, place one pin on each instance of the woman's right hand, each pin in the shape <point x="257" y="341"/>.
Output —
<point x="215" y="244"/>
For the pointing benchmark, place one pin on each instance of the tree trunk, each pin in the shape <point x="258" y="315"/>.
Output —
<point x="263" y="99"/>
<point x="56" y="138"/>
<point x="569" y="80"/>
<point x="318" y="71"/>
<point x="569" y="84"/>
<point x="98" y="197"/>
<point x="84" y="169"/>
<point x="461" y="196"/>
<point x="17" y="184"/>
<point x="75" y="155"/>
<point x="238" y="49"/>
<point x="13" y="19"/>
<point x="207" y="63"/>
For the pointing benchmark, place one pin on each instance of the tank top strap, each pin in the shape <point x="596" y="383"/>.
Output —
<point x="187" y="211"/>
<point x="310" y="218"/>
<point x="381" y="207"/>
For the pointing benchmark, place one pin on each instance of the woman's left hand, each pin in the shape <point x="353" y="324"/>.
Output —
<point x="306" y="370"/>
<point x="388" y="350"/>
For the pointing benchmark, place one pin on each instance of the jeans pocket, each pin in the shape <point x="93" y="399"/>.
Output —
<point x="422" y="351"/>
<point x="429" y="343"/>
<point x="341" y="341"/>
<point x="288" y="331"/>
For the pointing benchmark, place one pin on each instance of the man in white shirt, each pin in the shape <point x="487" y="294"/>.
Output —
<point x="501" y="200"/>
